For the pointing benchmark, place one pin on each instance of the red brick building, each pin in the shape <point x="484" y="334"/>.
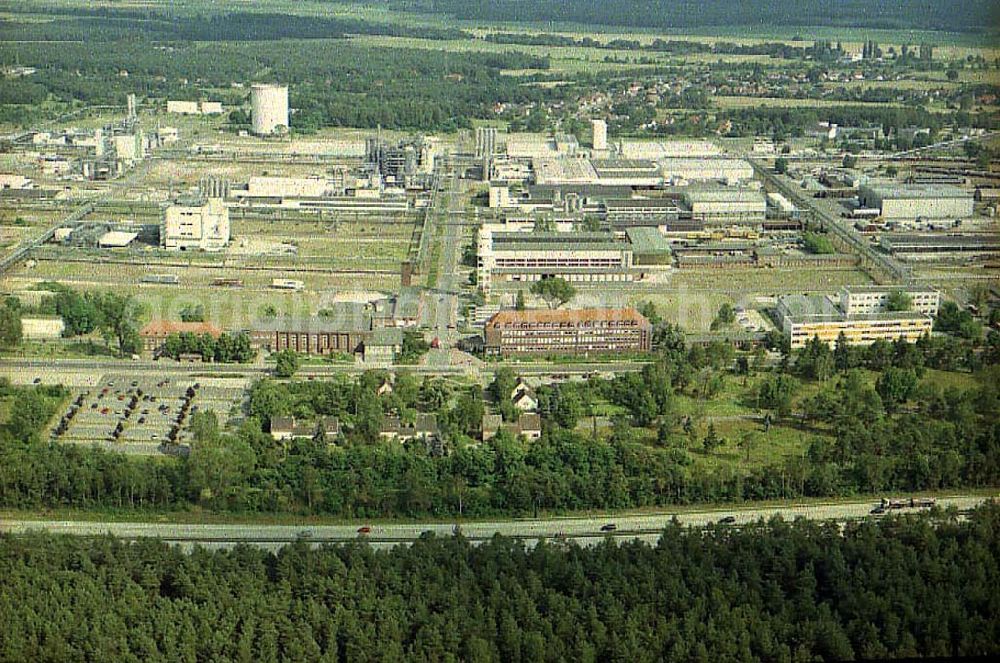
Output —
<point x="581" y="331"/>
<point x="155" y="333"/>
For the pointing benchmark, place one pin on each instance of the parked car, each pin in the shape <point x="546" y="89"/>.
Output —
<point x="610" y="527"/>
<point x="727" y="520"/>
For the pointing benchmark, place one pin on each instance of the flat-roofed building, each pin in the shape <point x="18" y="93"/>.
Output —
<point x="183" y="107"/>
<point x="526" y="257"/>
<point x="862" y="299"/>
<point x="195" y="223"/>
<point x="626" y="172"/>
<point x="940" y="243"/>
<point x="726" y="205"/>
<point x="621" y="212"/>
<point x="580" y="331"/>
<point x="912" y="201"/>
<point x="42" y="327"/>
<point x="116" y="239"/>
<point x="708" y="169"/>
<point x="804" y="317"/>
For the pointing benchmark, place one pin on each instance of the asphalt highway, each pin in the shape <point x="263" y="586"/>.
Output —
<point x="584" y="530"/>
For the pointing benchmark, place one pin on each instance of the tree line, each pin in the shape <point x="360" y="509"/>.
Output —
<point x="777" y="591"/>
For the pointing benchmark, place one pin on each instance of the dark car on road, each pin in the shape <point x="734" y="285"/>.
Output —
<point x="364" y="529"/>
<point x="610" y="527"/>
<point x="727" y="520"/>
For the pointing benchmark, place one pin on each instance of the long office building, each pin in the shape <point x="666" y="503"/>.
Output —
<point x="864" y="299"/>
<point x="317" y="336"/>
<point x="804" y="317"/>
<point x="581" y="331"/>
<point x="526" y="257"/>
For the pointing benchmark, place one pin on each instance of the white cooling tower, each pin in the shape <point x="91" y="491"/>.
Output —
<point x="269" y="108"/>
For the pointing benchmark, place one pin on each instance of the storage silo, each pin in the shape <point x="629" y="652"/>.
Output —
<point x="269" y="108"/>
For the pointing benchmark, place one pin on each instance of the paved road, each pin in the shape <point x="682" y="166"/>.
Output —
<point x="584" y="530"/>
<point x="52" y="371"/>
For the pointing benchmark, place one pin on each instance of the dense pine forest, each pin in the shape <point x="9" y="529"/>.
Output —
<point x="971" y="15"/>
<point x="771" y="592"/>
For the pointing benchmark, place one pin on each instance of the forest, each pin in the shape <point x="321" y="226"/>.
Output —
<point x="958" y="15"/>
<point x="777" y="591"/>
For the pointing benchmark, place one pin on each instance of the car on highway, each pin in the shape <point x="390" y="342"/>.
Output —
<point x="37" y="381"/>
<point x="877" y="511"/>
<point x="609" y="527"/>
<point x="305" y="534"/>
<point x="364" y="529"/>
<point x="727" y="520"/>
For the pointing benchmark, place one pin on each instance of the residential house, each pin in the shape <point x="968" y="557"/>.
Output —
<point x="287" y="428"/>
<point x="424" y="427"/>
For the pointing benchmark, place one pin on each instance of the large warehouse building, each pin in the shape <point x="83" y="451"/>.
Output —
<point x="706" y="169"/>
<point x="912" y="201"/>
<point x="727" y="205"/>
<point x="576" y="257"/>
<point x="567" y="332"/>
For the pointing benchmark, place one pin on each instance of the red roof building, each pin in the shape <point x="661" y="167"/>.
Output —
<point x="155" y="333"/>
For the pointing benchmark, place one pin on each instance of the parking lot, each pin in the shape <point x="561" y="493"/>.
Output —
<point x="149" y="414"/>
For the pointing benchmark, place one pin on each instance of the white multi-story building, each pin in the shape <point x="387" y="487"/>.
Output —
<point x="575" y="257"/>
<point x="600" y="128"/>
<point x="805" y="317"/>
<point x="861" y="299"/>
<point x="201" y="223"/>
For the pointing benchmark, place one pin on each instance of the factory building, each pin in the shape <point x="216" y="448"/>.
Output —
<point x="12" y="181"/>
<point x="912" y="201"/>
<point x="195" y="223"/>
<point x="601" y="172"/>
<point x="406" y="163"/>
<point x="658" y="150"/>
<point x="576" y="257"/>
<point x="863" y="299"/>
<point x="531" y="146"/>
<point x="567" y="332"/>
<point x="268" y="109"/>
<point x="624" y="212"/>
<point x="296" y="187"/>
<point x="350" y="334"/>
<point x="902" y="244"/>
<point x="183" y="107"/>
<point x="803" y="317"/>
<point x="726" y="205"/>
<point x="486" y="149"/>
<point x="677" y="169"/>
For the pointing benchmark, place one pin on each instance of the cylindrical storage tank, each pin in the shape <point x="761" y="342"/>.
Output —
<point x="268" y="108"/>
